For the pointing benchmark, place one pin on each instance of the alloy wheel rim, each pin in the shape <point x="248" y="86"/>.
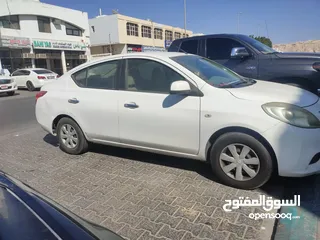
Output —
<point x="239" y="162"/>
<point x="69" y="136"/>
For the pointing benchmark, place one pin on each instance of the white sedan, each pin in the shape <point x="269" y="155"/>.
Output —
<point x="188" y="106"/>
<point x="32" y="78"/>
<point x="7" y="85"/>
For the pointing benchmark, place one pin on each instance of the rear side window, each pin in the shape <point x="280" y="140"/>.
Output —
<point x="190" y="46"/>
<point x="100" y="76"/>
<point x="220" y="48"/>
<point x="42" y="71"/>
<point x="25" y="72"/>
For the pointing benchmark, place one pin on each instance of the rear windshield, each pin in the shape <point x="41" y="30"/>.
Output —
<point x="42" y="71"/>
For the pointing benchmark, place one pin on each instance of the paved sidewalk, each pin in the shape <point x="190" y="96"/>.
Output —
<point x="138" y="195"/>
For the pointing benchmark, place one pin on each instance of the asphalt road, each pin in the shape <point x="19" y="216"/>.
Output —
<point x="139" y="195"/>
<point x="17" y="112"/>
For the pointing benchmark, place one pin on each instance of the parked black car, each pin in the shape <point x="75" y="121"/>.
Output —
<point x="252" y="59"/>
<point x="26" y="214"/>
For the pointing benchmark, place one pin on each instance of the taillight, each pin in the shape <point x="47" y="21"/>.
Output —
<point x="58" y="76"/>
<point x="40" y="94"/>
<point x="41" y="77"/>
<point x="316" y="66"/>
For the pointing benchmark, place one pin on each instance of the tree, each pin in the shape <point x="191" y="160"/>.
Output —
<point x="264" y="40"/>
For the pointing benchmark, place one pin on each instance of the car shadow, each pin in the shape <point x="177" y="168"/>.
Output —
<point x="202" y="168"/>
<point x="3" y="95"/>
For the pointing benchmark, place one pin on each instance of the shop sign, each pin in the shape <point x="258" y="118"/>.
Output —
<point x="14" y="42"/>
<point x="134" y="48"/>
<point x="58" y="45"/>
<point x="152" y="49"/>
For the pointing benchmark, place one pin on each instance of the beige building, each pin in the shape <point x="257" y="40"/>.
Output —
<point x="117" y="34"/>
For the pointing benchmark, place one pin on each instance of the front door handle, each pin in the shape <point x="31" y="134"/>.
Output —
<point x="73" y="100"/>
<point x="131" y="105"/>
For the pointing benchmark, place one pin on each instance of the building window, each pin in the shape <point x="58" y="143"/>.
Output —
<point x="177" y="35"/>
<point x="168" y="35"/>
<point x="146" y="31"/>
<point x="44" y="24"/>
<point x="72" y="30"/>
<point x="132" y="29"/>
<point x="10" y="22"/>
<point x="185" y="35"/>
<point x="158" y="33"/>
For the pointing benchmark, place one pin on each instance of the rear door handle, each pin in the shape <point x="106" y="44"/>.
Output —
<point x="131" y="105"/>
<point x="73" y="100"/>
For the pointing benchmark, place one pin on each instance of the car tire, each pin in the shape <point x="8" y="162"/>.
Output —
<point x="10" y="93"/>
<point x="30" y="86"/>
<point x="238" y="141"/>
<point x="68" y="131"/>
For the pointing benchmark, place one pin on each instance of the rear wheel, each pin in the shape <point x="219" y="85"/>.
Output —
<point x="30" y="86"/>
<point x="10" y="93"/>
<point x="241" y="161"/>
<point x="71" y="138"/>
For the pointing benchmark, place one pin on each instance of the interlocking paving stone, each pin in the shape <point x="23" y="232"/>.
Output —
<point x="139" y="199"/>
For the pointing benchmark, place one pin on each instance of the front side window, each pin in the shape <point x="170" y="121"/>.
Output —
<point x="10" y="22"/>
<point x="209" y="71"/>
<point x="158" y="33"/>
<point x="44" y="24"/>
<point x="168" y="35"/>
<point x="73" y="30"/>
<point x="190" y="46"/>
<point x="17" y="73"/>
<point x="220" y="48"/>
<point x="100" y="76"/>
<point x="177" y="35"/>
<point x="146" y="31"/>
<point x="258" y="45"/>
<point x="132" y="29"/>
<point x="148" y="76"/>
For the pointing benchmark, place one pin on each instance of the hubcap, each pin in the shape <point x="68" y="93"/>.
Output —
<point x="69" y="136"/>
<point x="239" y="162"/>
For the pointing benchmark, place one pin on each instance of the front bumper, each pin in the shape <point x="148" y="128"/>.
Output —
<point x="9" y="87"/>
<point x="295" y="148"/>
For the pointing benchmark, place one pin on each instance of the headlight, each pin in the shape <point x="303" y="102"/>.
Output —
<point x="291" y="114"/>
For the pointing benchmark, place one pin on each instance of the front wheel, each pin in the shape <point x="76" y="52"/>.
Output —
<point x="10" y="93"/>
<point x="241" y="161"/>
<point x="71" y="138"/>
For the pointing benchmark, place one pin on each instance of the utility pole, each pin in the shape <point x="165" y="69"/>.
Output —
<point x="239" y="20"/>
<point x="110" y="44"/>
<point x="185" y="18"/>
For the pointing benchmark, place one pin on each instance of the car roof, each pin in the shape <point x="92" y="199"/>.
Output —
<point x="31" y="69"/>
<point x="232" y="35"/>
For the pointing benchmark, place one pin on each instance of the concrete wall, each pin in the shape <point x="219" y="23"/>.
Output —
<point x="116" y="26"/>
<point x="105" y="30"/>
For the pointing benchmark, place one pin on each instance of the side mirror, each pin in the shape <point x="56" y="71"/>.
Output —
<point x="180" y="87"/>
<point x="239" y="52"/>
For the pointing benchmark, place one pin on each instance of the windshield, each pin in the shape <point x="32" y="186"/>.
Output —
<point x="258" y="45"/>
<point x="43" y="71"/>
<point x="210" y="71"/>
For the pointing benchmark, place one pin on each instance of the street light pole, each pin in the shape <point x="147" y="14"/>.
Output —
<point x="239" y="20"/>
<point x="185" y="18"/>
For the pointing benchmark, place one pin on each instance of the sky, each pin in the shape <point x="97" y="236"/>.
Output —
<point x="283" y="21"/>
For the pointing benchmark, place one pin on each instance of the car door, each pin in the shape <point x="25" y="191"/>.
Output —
<point x="219" y="50"/>
<point x="151" y="117"/>
<point x="19" y="78"/>
<point x="92" y="100"/>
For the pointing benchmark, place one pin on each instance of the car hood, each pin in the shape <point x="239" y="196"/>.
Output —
<point x="264" y="92"/>
<point x="298" y="55"/>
